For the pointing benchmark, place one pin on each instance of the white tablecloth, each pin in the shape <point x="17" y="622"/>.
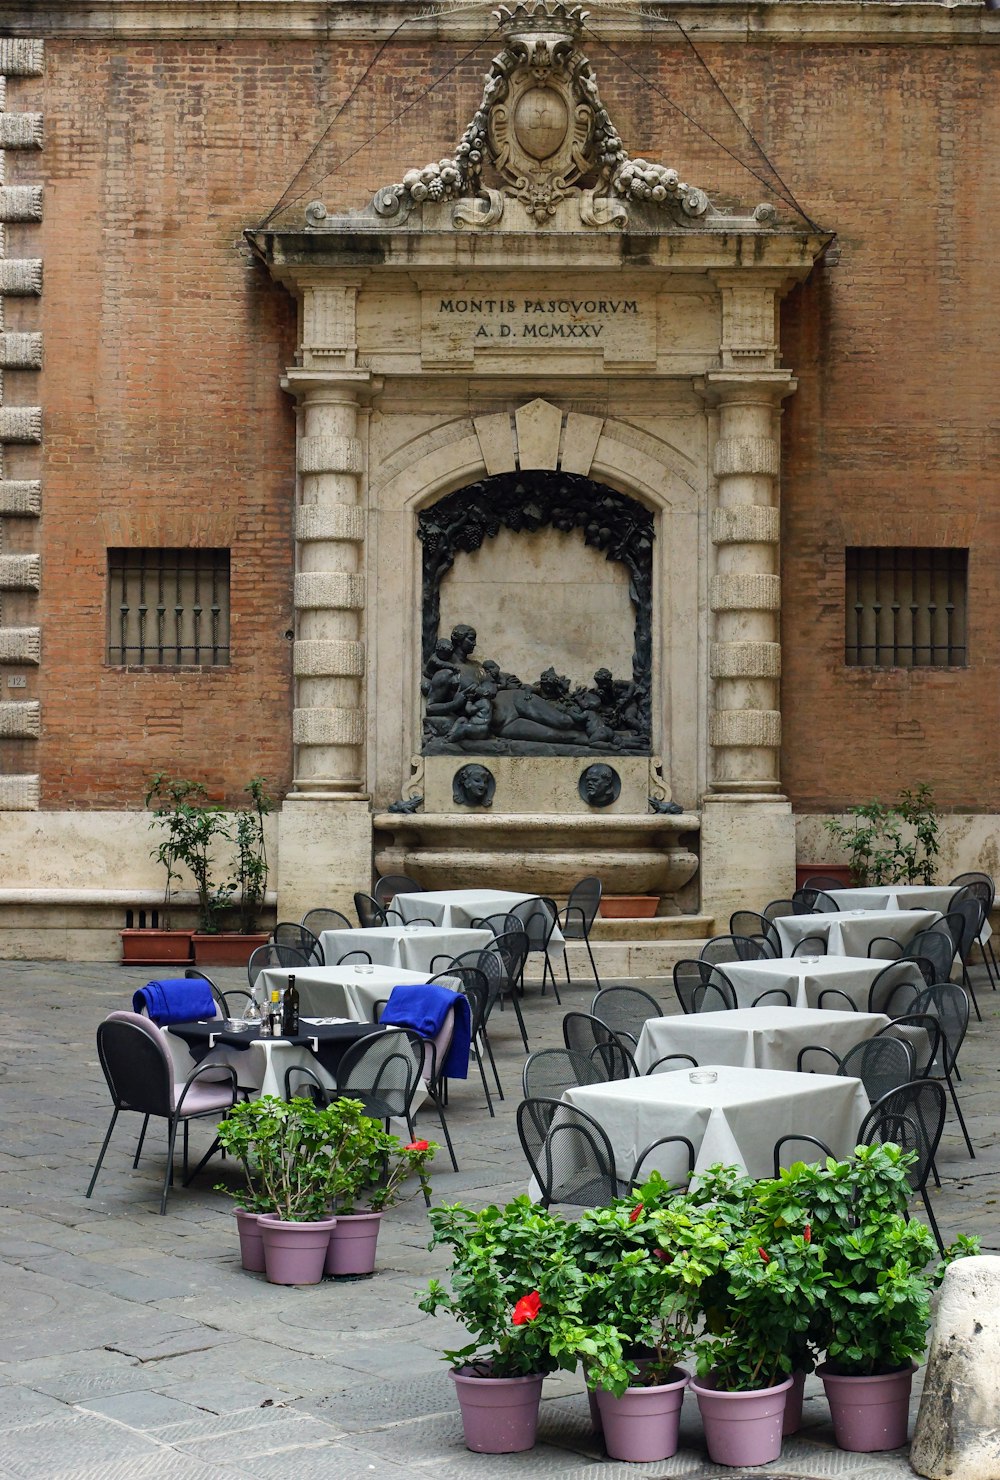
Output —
<point x="458" y="908"/>
<point x="341" y="991"/>
<point x="850" y="932"/>
<point x="804" y="977"/>
<point x="261" y="1067"/>
<point x="754" y="1037"/>
<point x="411" y="946"/>
<point x="901" y="897"/>
<point x="735" y="1120"/>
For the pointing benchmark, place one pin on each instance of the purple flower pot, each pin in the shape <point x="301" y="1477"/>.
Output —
<point x="352" y="1244"/>
<point x="499" y="1414"/>
<point x="294" y="1253"/>
<point x="792" y="1421"/>
<point x="741" y="1428"/>
<point x="869" y="1413"/>
<point x="643" y="1423"/>
<point x="251" y="1241"/>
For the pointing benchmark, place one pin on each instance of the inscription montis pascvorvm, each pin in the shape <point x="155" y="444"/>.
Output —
<point x="458" y="326"/>
<point x="540" y="318"/>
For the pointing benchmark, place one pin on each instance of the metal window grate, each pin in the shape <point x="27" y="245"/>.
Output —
<point x="168" y="607"/>
<point x="906" y="607"/>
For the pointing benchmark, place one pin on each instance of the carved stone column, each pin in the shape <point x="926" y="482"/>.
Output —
<point x="328" y="725"/>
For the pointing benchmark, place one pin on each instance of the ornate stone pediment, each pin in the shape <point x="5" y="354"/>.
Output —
<point x="542" y="127"/>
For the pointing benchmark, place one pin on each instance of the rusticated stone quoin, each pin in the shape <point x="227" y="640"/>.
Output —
<point x="20" y="57"/>
<point x="21" y="645"/>
<point x="21" y="351"/>
<point x="23" y="498"/>
<point x="20" y="131"/>
<point x="19" y="793"/>
<point x="21" y="275"/>
<point x="20" y="721"/>
<point x="20" y="572"/>
<point x="20" y="202"/>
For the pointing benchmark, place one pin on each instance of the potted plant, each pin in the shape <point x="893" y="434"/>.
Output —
<point x="880" y="1269"/>
<point x="504" y="1264"/>
<point x="154" y="946"/>
<point x="890" y="843"/>
<point x="371" y="1171"/>
<point x="289" y="1151"/>
<point x="217" y="947"/>
<point x="647" y="1258"/>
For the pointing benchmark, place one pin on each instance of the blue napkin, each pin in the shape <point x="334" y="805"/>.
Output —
<point x="175" y="1000"/>
<point x="423" y="1008"/>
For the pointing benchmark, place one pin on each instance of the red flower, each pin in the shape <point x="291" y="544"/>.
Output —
<point x="527" y="1308"/>
<point x="418" y="1146"/>
<point x="662" y="1254"/>
<point x="635" y="1212"/>
<point x="807" y="1233"/>
<point x="764" y="1255"/>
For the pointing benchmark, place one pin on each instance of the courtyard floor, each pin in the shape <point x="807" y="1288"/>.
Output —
<point x="135" y="1348"/>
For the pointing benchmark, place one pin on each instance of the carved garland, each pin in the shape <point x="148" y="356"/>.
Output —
<point x="530" y="501"/>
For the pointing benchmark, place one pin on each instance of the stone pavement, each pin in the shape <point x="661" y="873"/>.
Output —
<point x="135" y="1348"/>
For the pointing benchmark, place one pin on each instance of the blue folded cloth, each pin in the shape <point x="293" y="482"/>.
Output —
<point x="175" y="1000"/>
<point x="424" y="1008"/>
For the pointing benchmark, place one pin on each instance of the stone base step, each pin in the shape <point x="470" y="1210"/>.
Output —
<point x="653" y="927"/>
<point x="617" y="959"/>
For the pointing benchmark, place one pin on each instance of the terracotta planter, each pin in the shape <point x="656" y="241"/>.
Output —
<point x="251" y="1241"/>
<point x="294" y="1253"/>
<point x="741" y="1428"/>
<point x="499" y="1414"/>
<point x="839" y="871"/>
<point x="643" y="1424"/>
<point x="353" y="1240"/>
<point x="225" y="949"/>
<point x="628" y="906"/>
<point x="869" y="1413"/>
<point x="155" y="947"/>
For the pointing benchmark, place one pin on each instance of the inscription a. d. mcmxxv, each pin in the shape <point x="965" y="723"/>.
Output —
<point x="456" y="326"/>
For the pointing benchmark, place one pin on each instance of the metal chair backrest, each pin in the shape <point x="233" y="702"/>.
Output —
<point x="586" y="1034"/>
<point x="569" y="1154"/>
<point x="389" y="885"/>
<point x="498" y="923"/>
<point x="537" y="918"/>
<point x="380" y="1071"/>
<point x="778" y="908"/>
<point x="702" y="987"/>
<point x="723" y="948"/>
<point x="550" y="1071"/>
<point x="922" y="1032"/>
<point x="625" y="1009"/>
<point x="512" y="948"/>
<point x="936" y="945"/>
<point x="814" y="902"/>
<point x="949" y="1003"/>
<point x="912" y="1116"/>
<point x="823" y="881"/>
<point x="273" y="955"/>
<point x="881" y="1064"/>
<point x="136" y="1063"/>
<point x="894" y="989"/>
<point x="324" y="919"/>
<point x="757" y="927"/>
<point x="370" y="912"/>
<point x="979" y="881"/>
<point x="287" y="933"/>
<point x="972" y="913"/>
<point x="581" y="908"/>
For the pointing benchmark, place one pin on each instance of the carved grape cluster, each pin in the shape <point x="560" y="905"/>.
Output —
<point x="639" y="180"/>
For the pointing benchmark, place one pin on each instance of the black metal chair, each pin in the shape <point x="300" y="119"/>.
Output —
<point x="922" y="1032"/>
<point x="947" y="1002"/>
<point x="371" y="915"/>
<point x="971" y="912"/>
<point x="912" y="1117"/>
<point x="381" y="1071"/>
<point x="357" y="957"/>
<point x="586" y="1034"/>
<point x="701" y="987"/>
<point x="625" y="1009"/>
<point x="778" y="908"/>
<point x="814" y="902"/>
<point x="538" y="918"/>
<point x="809" y="945"/>
<point x="894" y="989"/>
<point x="287" y="933"/>
<point x="881" y="1063"/>
<point x="389" y="885"/>
<point x="140" y="1077"/>
<point x="671" y="1061"/>
<point x="433" y="1074"/>
<point x="981" y="886"/>
<point x="222" y="999"/>
<point x="494" y="967"/>
<point x="723" y="948"/>
<point x="793" y="1137"/>
<point x="824" y="882"/>
<point x="319" y="920"/>
<point x="576" y="919"/>
<point x="757" y="927"/>
<point x="571" y="1158"/>
<point x="548" y="1072"/>
<point x="472" y="983"/>
<point x="275" y="956"/>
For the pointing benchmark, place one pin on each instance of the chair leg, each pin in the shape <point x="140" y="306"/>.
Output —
<point x="931" y="1218"/>
<point x="186" y="1126"/>
<point x="107" y="1138"/>
<point x="520" y="1020"/>
<point x="168" y="1176"/>
<point x="478" y="1051"/>
<point x="189" y="1178"/>
<point x="995" y="973"/>
<point x="493" y="1063"/>
<point x="593" y="963"/>
<point x="967" y="983"/>
<point x="435" y="1097"/>
<point x="961" y="1117"/>
<point x="552" y="977"/>
<point x="142" y="1137"/>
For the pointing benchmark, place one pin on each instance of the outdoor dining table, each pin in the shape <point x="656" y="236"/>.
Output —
<point x="341" y="991"/>
<point x="754" y="1037"/>
<point x="803" y="978"/>
<point x="411" y="946"/>
<point x="736" y="1118"/>
<point x="901" y="897"/>
<point x="261" y="1063"/>
<point x="458" y="908"/>
<point x="850" y="932"/>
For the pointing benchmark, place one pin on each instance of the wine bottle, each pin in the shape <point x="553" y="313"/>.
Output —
<point x="290" y="1010"/>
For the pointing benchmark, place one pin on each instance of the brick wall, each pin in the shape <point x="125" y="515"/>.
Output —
<point x="165" y="423"/>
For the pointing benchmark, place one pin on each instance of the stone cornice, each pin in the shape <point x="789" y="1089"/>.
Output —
<point x="811" y="22"/>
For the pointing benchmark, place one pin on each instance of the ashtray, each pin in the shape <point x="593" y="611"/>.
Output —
<point x="236" y="1025"/>
<point x="703" y="1076"/>
<point x="808" y="960"/>
<point x="365" y="970"/>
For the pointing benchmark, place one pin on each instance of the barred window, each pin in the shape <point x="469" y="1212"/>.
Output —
<point x="906" y="607"/>
<point x="168" y="607"/>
